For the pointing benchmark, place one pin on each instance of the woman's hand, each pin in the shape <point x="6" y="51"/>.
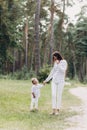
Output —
<point x="44" y="82"/>
<point x="57" y="61"/>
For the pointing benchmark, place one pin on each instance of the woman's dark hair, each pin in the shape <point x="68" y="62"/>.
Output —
<point x="57" y="55"/>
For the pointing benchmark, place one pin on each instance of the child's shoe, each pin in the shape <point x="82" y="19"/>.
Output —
<point x="31" y="110"/>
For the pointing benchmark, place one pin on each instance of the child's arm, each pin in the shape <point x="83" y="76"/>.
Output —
<point x="41" y="85"/>
<point x="33" y="94"/>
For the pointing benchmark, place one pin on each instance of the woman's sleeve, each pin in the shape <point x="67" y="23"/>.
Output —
<point x="63" y="66"/>
<point x="51" y="73"/>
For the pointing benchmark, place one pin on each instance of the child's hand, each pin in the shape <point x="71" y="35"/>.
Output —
<point x="33" y="96"/>
<point x="44" y="82"/>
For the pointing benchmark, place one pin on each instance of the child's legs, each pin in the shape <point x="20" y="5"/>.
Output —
<point x="59" y="94"/>
<point x="36" y="102"/>
<point x="32" y="103"/>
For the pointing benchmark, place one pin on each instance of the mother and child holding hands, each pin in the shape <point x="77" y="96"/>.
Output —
<point x="57" y="75"/>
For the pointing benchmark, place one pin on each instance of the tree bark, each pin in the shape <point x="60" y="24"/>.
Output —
<point x="26" y="42"/>
<point x="14" y="64"/>
<point x="37" y="38"/>
<point x="86" y="69"/>
<point x="51" y="30"/>
<point x="60" y="26"/>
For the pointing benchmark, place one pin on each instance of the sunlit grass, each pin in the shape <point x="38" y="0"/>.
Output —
<point x="15" y="102"/>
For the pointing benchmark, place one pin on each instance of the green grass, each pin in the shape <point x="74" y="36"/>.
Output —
<point x="15" y="102"/>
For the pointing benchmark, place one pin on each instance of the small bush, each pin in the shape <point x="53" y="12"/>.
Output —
<point x="44" y="72"/>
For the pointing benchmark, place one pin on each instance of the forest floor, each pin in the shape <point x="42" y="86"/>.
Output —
<point x="80" y="121"/>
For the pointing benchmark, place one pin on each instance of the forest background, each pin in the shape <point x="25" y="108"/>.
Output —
<point x="30" y="30"/>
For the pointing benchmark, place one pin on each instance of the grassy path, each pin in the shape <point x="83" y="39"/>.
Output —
<point x="14" y="107"/>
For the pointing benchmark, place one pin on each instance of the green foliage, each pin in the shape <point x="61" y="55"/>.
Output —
<point x="72" y="42"/>
<point x="85" y="80"/>
<point x="8" y="18"/>
<point x="43" y="73"/>
<point x="81" y="37"/>
<point x="23" y="74"/>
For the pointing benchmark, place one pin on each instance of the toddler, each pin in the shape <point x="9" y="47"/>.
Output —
<point x="35" y="94"/>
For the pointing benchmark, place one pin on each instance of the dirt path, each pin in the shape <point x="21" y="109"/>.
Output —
<point x="79" y="120"/>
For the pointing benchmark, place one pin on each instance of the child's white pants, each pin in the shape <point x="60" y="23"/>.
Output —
<point x="34" y="103"/>
<point x="57" y="89"/>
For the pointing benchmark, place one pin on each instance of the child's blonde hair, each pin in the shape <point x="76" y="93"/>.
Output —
<point x="34" y="79"/>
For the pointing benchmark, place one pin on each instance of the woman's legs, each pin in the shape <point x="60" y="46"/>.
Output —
<point x="54" y="97"/>
<point x="59" y="94"/>
<point x="57" y="90"/>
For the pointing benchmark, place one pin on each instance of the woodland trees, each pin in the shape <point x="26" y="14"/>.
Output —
<point x="31" y="30"/>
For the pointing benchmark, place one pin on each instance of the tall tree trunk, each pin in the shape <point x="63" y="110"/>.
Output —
<point x="26" y="42"/>
<point x="81" y="69"/>
<point x="32" y="58"/>
<point x="61" y="21"/>
<point x="74" y="62"/>
<point x="37" y="47"/>
<point x="51" y="30"/>
<point x="14" y="64"/>
<point x="86" y="68"/>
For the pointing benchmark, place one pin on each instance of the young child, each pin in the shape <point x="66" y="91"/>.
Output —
<point x="35" y="94"/>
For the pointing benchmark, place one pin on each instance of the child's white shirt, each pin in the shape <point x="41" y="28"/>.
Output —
<point x="36" y="89"/>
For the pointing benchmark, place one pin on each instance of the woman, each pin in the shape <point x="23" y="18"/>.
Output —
<point x="57" y="75"/>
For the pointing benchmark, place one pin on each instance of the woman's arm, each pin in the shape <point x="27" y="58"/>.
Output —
<point x="51" y="73"/>
<point x="63" y="65"/>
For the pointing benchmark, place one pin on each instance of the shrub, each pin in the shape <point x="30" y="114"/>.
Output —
<point x="44" y="72"/>
<point x="24" y="74"/>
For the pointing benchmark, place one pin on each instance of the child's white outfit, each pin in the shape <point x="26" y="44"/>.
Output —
<point x="36" y="90"/>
